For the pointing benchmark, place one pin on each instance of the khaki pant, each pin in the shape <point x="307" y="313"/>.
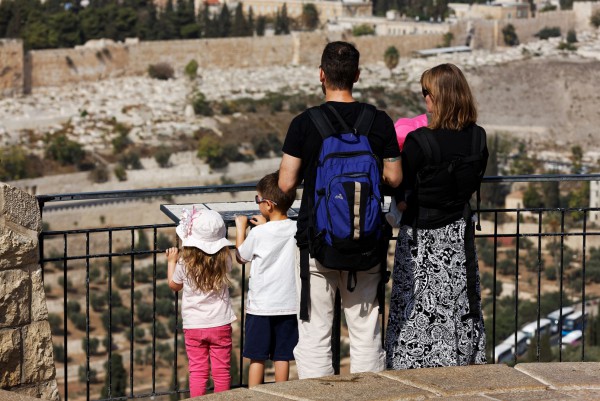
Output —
<point x="313" y="352"/>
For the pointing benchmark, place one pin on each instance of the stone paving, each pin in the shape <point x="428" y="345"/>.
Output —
<point x="526" y="382"/>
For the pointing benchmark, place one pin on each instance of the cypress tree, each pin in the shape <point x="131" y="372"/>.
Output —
<point x="250" y="26"/>
<point x="118" y="377"/>
<point x="224" y="22"/>
<point x="261" y="23"/>
<point x="239" y="22"/>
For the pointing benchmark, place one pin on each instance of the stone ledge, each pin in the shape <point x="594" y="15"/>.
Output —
<point x="526" y="382"/>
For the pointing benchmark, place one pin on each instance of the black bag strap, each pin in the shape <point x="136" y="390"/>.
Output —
<point x="363" y="125"/>
<point x="320" y="120"/>
<point x="478" y="144"/>
<point x="337" y="116"/>
<point x="305" y="283"/>
<point x="365" y="119"/>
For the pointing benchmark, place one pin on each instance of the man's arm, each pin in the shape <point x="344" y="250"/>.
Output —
<point x="392" y="171"/>
<point x="289" y="172"/>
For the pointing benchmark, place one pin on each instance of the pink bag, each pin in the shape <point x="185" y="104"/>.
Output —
<point x="404" y="126"/>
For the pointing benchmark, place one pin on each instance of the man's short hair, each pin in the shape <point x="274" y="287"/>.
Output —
<point x="268" y="187"/>
<point x="340" y="65"/>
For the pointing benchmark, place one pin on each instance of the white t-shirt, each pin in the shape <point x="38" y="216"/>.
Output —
<point x="201" y="310"/>
<point x="272" y="249"/>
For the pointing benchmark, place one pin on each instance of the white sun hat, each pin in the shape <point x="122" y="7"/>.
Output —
<point x="203" y="229"/>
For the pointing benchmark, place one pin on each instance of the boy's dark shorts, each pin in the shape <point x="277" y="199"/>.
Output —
<point x="270" y="337"/>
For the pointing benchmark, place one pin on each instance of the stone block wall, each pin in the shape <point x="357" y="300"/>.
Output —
<point x="488" y="33"/>
<point x="26" y="356"/>
<point x="11" y="67"/>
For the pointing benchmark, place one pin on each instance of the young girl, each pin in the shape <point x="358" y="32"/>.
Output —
<point x="201" y="271"/>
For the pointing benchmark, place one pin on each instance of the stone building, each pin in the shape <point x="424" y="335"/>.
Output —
<point x="328" y="10"/>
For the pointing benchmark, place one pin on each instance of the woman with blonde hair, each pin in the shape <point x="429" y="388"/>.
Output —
<point x="435" y="309"/>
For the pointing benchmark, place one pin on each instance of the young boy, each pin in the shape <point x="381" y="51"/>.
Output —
<point x="271" y="307"/>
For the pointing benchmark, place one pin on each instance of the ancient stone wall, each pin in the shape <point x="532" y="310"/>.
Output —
<point x="26" y="355"/>
<point x="488" y="33"/>
<point x="11" y="67"/>
<point x="86" y="63"/>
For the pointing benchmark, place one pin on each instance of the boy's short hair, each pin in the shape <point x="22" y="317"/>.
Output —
<point x="339" y="62"/>
<point x="268" y="187"/>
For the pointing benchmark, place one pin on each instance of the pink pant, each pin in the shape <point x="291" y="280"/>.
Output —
<point x="201" y="345"/>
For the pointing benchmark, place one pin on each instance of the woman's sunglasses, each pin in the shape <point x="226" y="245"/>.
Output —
<point x="425" y="92"/>
<point x="259" y="200"/>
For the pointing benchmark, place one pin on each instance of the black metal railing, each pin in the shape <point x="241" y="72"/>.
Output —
<point x="82" y="249"/>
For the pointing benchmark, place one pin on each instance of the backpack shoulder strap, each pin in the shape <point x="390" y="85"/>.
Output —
<point x="337" y="116"/>
<point x="477" y="146"/>
<point x="321" y="121"/>
<point x="365" y="119"/>
<point x="429" y="146"/>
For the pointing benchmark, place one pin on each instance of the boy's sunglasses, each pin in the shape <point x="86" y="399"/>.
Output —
<point x="261" y="200"/>
<point x="425" y="92"/>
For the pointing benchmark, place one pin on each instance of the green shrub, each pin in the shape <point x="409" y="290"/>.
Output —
<point x="165" y="307"/>
<point x="363" y="29"/>
<point x="13" y="164"/>
<point x="94" y="344"/>
<point x="548" y="32"/>
<point x="79" y="321"/>
<point x="391" y="57"/>
<point x="98" y="302"/>
<point x="211" y="150"/>
<point x="138" y="334"/>
<point x="162" y="71"/>
<point x="509" y="35"/>
<point x="123" y="280"/>
<point x="55" y="322"/>
<point x="144" y="313"/>
<point x="548" y="7"/>
<point x="566" y="46"/>
<point x="120" y="173"/>
<point x="73" y="307"/>
<point x="297" y="106"/>
<point x="163" y="291"/>
<point x="162" y="156"/>
<point x="163" y="242"/>
<point x="64" y="151"/>
<point x="595" y="19"/>
<point x="571" y="36"/>
<point x="131" y="160"/>
<point x="226" y="108"/>
<point x="191" y="69"/>
<point x="59" y="352"/>
<point x="161" y="331"/>
<point x="201" y="105"/>
<point x="262" y="147"/>
<point x="99" y="174"/>
<point x="83" y="375"/>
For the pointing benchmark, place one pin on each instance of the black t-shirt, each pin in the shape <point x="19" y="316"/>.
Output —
<point x="304" y="141"/>
<point x="452" y="144"/>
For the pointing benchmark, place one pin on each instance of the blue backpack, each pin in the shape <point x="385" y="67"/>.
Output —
<point x="345" y="222"/>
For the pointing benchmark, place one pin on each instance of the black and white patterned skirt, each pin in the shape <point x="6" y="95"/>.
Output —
<point x="429" y="298"/>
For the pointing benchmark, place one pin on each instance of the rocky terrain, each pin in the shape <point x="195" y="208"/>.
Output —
<point x="533" y="91"/>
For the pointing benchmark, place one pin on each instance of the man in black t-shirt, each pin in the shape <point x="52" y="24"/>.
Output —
<point x="338" y="73"/>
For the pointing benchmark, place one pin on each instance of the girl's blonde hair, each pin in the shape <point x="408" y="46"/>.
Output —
<point x="453" y="104"/>
<point x="205" y="271"/>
